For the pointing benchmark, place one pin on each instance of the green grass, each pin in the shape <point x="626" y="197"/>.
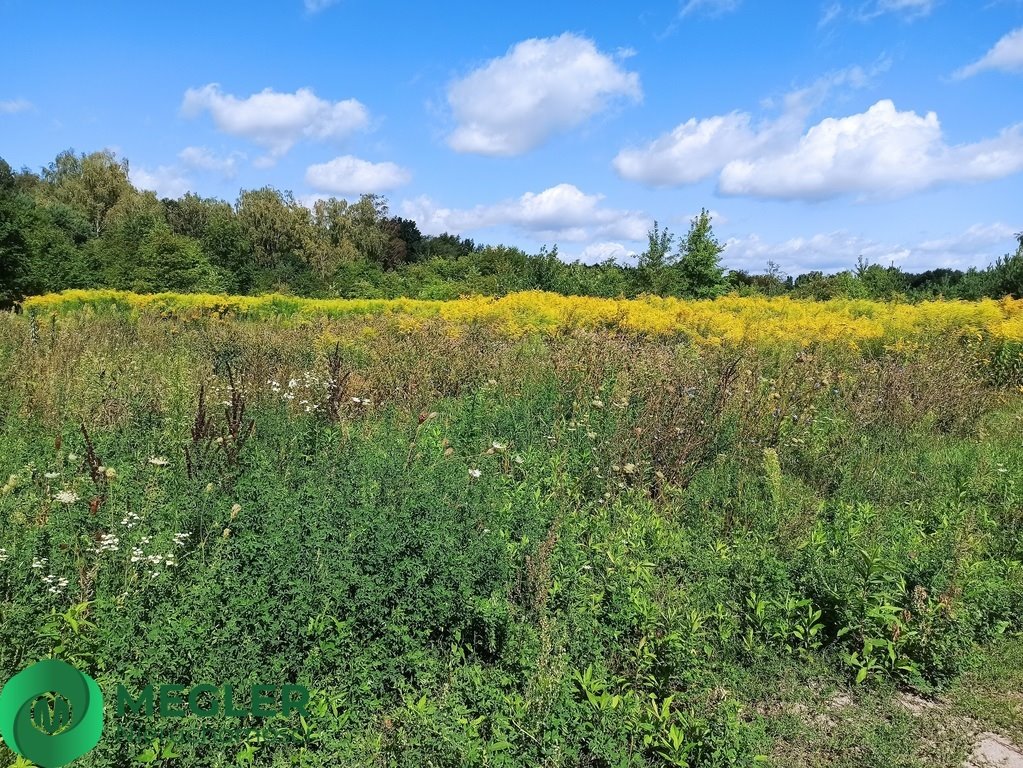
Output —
<point x="583" y="550"/>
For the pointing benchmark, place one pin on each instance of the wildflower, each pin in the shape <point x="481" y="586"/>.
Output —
<point x="227" y="533"/>
<point x="159" y="461"/>
<point x="130" y="520"/>
<point x="51" y="475"/>
<point x="475" y="473"/>
<point x="108" y="543"/>
<point x="499" y="447"/>
<point x="591" y="435"/>
<point x="72" y="458"/>
<point x="629" y="469"/>
<point x="597" y="403"/>
<point x="3" y="555"/>
<point x="235" y="509"/>
<point x="110" y="473"/>
<point x="517" y="459"/>
<point x="66" y="497"/>
<point x="39" y="562"/>
<point x="180" y="539"/>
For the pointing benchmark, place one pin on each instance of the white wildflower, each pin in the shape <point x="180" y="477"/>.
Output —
<point x="475" y="473"/>
<point x="66" y="497"/>
<point x="108" y="543"/>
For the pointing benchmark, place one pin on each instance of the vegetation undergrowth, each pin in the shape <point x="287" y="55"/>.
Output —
<point x="568" y="545"/>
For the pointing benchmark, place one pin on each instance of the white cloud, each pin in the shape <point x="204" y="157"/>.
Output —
<point x="833" y="251"/>
<point x="878" y="153"/>
<point x="694" y="150"/>
<point x="909" y="9"/>
<point x="700" y="148"/>
<point x="977" y="239"/>
<point x="1006" y="55"/>
<point x="349" y="175"/>
<point x="165" y="180"/>
<point x="203" y="159"/>
<point x="718" y="218"/>
<point x="13" y="106"/>
<point x="712" y="7"/>
<point x="562" y="213"/>
<point x="514" y="103"/>
<point x="277" y="120"/>
<point x="830" y="14"/>
<point x="599" y="252"/>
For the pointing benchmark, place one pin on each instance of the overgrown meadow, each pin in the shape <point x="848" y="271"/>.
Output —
<point x="490" y="544"/>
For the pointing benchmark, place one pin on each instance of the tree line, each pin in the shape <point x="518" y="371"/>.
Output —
<point x="81" y="223"/>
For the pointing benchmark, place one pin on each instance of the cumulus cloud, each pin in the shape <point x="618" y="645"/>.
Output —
<point x="203" y="159"/>
<point x="349" y="175"/>
<point x="596" y="253"/>
<point x="878" y="153"/>
<point x="514" y="103"/>
<point x="275" y="120"/>
<point x="562" y="213"/>
<point x="700" y="148"/>
<point x="829" y="252"/>
<point x="165" y="180"/>
<point x="13" y="106"/>
<point x="1006" y="56"/>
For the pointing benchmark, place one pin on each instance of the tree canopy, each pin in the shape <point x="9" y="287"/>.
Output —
<point x="80" y="223"/>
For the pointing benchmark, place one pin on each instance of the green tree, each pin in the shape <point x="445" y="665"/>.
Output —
<point x="655" y="261"/>
<point x="170" y="262"/>
<point x="92" y="184"/>
<point x="1008" y="273"/>
<point x="275" y="224"/>
<point x="13" y="247"/>
<point x="699" y="260"/>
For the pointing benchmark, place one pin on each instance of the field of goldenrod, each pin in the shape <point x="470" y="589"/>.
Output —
<point x="730" y="319"/>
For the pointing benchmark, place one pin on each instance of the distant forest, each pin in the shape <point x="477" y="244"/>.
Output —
<point x="80" y="223"/>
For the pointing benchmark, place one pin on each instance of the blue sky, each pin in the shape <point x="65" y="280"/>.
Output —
<point x="815" y="131"/>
